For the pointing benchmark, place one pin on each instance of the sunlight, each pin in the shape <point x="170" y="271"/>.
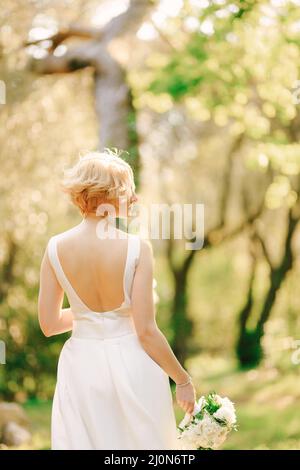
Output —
<point x="147" y="32"/>
<point x="166" y="9"/>
<point x="107" y="10"/>
<point x="43" y="26"/>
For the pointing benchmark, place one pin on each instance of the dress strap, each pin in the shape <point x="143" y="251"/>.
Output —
<point x="132" y="257"/>
<point x="133" y="253"/>
<point x="52" y="254"/>
<point x="61" y="277"/>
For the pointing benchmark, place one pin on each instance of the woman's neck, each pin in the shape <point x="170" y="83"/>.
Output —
<point x="92" y="220"/>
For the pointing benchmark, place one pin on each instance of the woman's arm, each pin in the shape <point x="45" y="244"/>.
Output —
<point x="52" y="318"/>
<point x="151" y="338"/>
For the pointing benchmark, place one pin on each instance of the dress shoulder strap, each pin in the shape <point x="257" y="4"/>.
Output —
<point x="55" y="263"/>
<point x="51" y="250"/>
<point x="52" y="253"/>
<point x="133" y="253"/>
<point x="73" y="297"/>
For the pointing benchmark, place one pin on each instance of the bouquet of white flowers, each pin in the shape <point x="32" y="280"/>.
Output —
<point x="209" y="424"/>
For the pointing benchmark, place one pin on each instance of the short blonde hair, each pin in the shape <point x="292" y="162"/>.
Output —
<point x="98" y="178"/>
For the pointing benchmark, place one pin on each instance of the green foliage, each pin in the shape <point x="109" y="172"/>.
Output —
<point x="211" y="406"/>
<point x="237" y="79"/>
<point x="182" y="75"/>
<point x="31" y="361"/>
<point x="44" y="124"/>
<point x="230" y="73"/>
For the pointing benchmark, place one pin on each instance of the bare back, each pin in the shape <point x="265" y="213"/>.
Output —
<point x="94" y="267"/>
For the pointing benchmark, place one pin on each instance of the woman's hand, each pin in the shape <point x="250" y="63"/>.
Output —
<point x="186" y="397"/>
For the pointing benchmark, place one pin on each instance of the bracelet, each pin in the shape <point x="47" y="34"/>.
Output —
<point x="186" y="383"/>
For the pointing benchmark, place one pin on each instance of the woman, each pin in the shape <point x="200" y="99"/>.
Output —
<point x="112" y="388"/>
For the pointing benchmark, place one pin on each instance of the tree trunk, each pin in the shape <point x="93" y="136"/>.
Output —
<point x="246" y="346"/>
<point x="182" y="326"/>
<point x="249" y="345"/>
<point x="113" y="99"/>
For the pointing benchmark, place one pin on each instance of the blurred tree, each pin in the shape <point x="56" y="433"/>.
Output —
<point x="45" y="121"/>
<point x="217" y="98"/>
<point x="249" y="346"/>
<point x="113" y="97"/>
<point x="181" y="322"/>
<point x="235" y="66"/>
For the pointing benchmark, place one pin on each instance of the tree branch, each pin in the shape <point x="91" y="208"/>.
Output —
<point x="217" y="235"/>
<point x="124" y="23"/>
<point x="225" y="193"/>
<point x="66" y="33"/>
<point x="278" y="274"/>
<point x="112" y="94"/>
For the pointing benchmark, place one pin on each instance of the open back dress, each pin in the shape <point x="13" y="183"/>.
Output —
<point x="110" y="394"/>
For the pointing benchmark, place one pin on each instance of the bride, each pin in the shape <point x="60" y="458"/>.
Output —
<point x="112" y="389"/>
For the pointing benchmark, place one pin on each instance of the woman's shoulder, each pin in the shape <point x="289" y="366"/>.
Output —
<point x="64" y="234"/>
<point x="145" y="247"/>
<point x="144" y="243"/>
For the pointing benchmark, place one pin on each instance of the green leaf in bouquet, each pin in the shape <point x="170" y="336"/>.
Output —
<point x="221" y="422"/>
<point x="211" y="405"/>
<point x="199" y="415"/>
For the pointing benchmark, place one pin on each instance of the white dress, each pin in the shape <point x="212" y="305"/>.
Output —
<point x="110" y="394"/>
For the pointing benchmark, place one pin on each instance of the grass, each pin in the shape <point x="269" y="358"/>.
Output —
<point x="266" y="399"/>
<point x="267" y="403"/>
<point x="39" y="414"/>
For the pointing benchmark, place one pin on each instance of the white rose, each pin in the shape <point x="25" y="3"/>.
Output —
<point x="225" y="414"/>
<point x="197" y="408"/>
<point x="218" y="399"/>
<point x="201" y="403"/>
<point x="227" y="403"/>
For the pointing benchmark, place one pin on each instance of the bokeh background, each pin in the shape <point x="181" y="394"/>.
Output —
<point x="205" y="97"/>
